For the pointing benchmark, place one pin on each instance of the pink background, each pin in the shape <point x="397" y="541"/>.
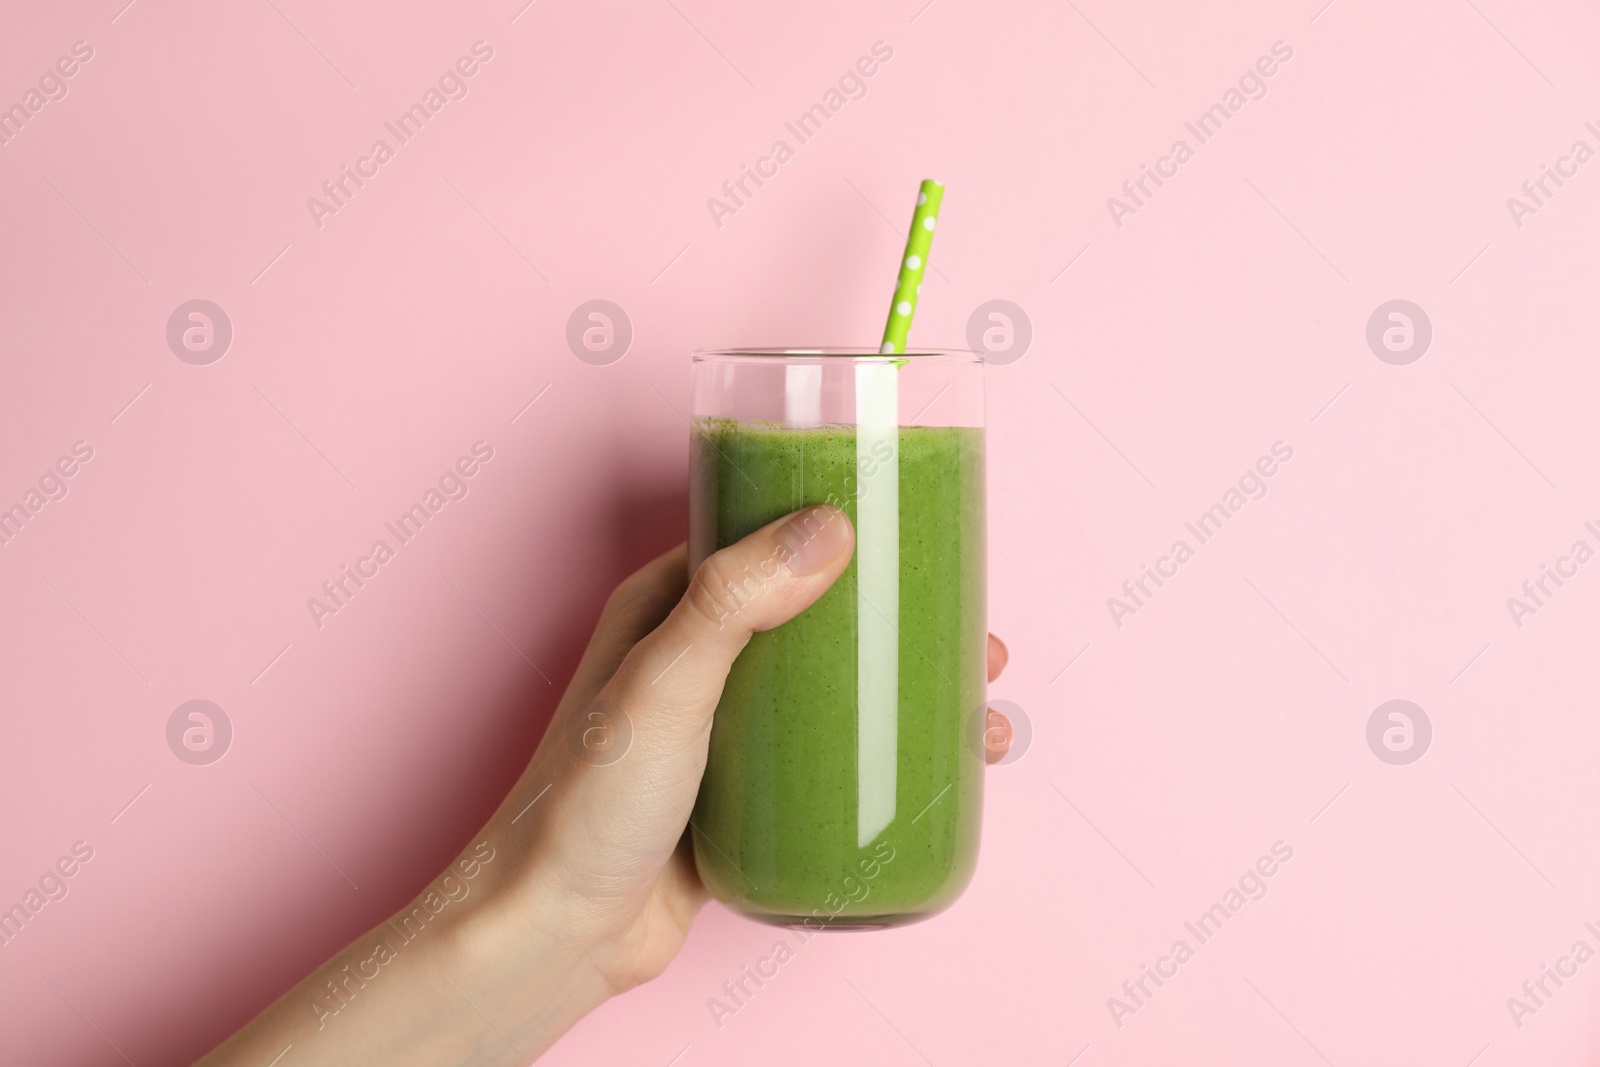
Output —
<point x="1228" y="313"/>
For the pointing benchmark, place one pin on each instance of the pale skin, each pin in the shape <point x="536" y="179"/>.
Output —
<point x="582" y="885"/>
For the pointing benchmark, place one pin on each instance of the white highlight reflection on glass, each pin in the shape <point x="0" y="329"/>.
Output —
<point x="802" y="394"/>
<point x="877" y="596"/>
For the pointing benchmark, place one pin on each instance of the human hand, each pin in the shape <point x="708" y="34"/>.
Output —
<point x="652" y="675"/>
<point x="590" y="887"/>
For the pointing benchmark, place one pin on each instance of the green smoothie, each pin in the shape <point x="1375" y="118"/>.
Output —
<point x="844" y="782"/>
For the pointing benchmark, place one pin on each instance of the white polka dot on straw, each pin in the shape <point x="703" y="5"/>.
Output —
<point x="904" y="307"/>
<point x="927" y="223"/>
<point x="913" y="262"/>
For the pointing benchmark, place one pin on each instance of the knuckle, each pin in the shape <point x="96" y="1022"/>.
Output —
<point x="623" y="615"/>
<point x="624" y="599"/>
<point x="639" y="602"/>
<point x="710" y="591"/>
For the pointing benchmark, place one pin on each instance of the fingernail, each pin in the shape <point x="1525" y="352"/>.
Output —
<point x="814" y="538"/>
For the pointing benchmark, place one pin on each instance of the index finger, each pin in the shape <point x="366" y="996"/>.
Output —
<point x="998" y="657"/>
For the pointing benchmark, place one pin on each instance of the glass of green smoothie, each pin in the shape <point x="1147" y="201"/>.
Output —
<point x="844" y="784"/>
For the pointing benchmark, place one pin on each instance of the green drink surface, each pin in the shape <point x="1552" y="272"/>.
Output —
<point x="807" y="811"/>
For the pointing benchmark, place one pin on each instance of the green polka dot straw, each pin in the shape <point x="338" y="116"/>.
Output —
<point x="912" y="264"/>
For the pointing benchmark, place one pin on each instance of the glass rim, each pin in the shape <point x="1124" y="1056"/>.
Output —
<point x="835" y="353"/>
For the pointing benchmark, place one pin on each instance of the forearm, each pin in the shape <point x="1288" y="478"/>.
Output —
<point x="459" y="976"/>
<point x="582" y="884"/>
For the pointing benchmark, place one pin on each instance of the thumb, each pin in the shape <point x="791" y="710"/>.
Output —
<point x="651" y="720"/>
<point x="758" y="583"/>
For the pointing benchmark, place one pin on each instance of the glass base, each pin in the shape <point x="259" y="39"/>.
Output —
<point x="844" y="924"/>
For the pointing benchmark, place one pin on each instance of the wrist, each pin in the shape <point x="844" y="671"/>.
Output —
<point x="519" y="950"/>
